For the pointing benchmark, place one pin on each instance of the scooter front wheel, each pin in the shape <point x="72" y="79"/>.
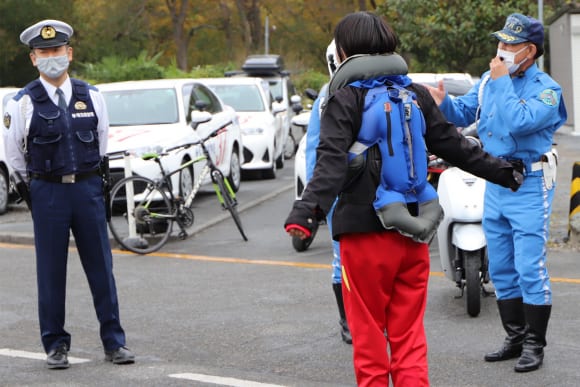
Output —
<point x="472" y="266"/>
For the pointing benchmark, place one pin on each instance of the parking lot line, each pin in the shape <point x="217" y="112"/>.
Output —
<point x="36" y="355"/>
<point x="232" y="260"/>
<point x="255" y="261"/>
<point x="233" y="382"/>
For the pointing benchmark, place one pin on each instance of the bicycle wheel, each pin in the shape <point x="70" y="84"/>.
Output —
<point x="146" y="227"/>
<point x="228" y="199"/>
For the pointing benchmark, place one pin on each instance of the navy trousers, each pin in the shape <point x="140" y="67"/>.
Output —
<point x="58" y="209"/>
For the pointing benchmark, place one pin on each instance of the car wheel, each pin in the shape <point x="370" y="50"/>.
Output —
<point x="290" y="147"/>
<point x="3" y="192"/>
<point x="235" y="176"/>
<point x="185" y="181"/>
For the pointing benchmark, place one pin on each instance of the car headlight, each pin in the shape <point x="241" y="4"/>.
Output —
<point x="252" y="131"/>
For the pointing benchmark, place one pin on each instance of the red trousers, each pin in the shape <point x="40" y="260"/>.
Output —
<point x="384" y="286"/>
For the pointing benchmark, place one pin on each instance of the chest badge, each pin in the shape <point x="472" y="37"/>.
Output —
<point x="80" y="105"/>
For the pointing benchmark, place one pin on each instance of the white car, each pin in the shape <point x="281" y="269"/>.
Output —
<point x="6" y="93"/>
<point x="262" y="133"/>
<point x="271" y="68"/>
<point x="155" y="114"/>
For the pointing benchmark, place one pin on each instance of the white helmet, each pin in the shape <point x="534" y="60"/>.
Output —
<point x="331" y="57"/>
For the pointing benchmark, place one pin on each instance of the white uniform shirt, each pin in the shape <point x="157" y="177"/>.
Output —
<point x="20" y="113"/>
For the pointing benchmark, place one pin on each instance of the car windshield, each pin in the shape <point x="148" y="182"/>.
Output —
<point x="141" y="107"/>
<point x="243" y="98"/>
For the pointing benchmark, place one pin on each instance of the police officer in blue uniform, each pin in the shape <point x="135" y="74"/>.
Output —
<point x="312" y="140"/>
<point x="56" y="137"/>
<point x="519" y="108"/>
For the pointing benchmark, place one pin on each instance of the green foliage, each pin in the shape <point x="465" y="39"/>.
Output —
<point x="212" y="71"/>
<point x="309" y="79"/>
<point x="450" y="35"/>
<point x="115" y="69"/>
<point x="436" y="35"/>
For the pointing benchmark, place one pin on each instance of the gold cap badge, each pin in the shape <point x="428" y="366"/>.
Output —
<point x="48" y="32"/>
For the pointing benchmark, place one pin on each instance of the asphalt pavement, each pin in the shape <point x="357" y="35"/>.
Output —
<point x="215" y="310"/>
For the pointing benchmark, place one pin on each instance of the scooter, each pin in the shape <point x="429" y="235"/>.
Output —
<point x="435" y="165"/>
<point x="461" y="241"/>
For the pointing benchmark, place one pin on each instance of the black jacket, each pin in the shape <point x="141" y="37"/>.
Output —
<point x="340" y="122"/>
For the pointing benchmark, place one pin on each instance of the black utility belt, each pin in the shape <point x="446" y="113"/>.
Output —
<point x="65" y="179"/>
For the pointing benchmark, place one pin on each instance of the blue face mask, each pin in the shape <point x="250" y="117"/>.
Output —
<point x="509" y="58"/>
<point x="53" y="66"/>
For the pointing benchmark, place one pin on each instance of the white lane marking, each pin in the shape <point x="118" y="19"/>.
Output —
<point x="36" y="355"/>
<point x="233" y="382"/>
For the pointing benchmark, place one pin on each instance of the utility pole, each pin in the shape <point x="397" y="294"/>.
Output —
<point x="541" y="19"/>
<point x="266" y="37"/>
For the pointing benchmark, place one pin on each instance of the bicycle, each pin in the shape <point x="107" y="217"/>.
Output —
<point x="148" y="219"/>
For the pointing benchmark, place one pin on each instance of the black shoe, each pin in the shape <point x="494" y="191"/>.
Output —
<point x="531" y="359"/>
<point x="121" y="355"/>
<point x="507" y="351"/>
<point x="511" y="312"/>
<point x="345" y="332"/>
<point x="57" y="358"/>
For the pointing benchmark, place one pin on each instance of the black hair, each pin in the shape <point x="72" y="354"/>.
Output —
<point x="364" y="33"/>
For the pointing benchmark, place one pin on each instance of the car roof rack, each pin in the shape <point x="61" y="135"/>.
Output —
<point x="264" y="65"/>
<point x="233" y="73"/>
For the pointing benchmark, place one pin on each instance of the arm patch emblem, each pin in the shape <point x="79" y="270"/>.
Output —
<point x="7" y="120"/>
<point x="549" y="97"/>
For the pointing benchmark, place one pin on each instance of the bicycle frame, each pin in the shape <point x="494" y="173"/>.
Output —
<point x="175" y="208"/>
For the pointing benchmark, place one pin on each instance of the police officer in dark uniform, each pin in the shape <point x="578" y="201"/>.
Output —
<point x="56" y="137"/>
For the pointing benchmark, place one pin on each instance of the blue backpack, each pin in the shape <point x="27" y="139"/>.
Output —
<point x="393" y="122"/>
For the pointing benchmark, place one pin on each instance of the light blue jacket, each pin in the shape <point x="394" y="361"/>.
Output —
<point x="518" y="115"/>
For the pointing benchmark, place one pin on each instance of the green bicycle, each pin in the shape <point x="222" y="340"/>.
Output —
<point x="147" y="220"/>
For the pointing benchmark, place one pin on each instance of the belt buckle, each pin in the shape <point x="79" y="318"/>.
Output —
<point x="68" y="179"/>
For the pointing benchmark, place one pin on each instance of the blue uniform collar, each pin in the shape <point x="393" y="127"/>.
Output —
<point x="530" y="72"/>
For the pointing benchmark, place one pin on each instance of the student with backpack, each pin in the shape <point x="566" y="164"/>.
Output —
<point x="376" y="127"/>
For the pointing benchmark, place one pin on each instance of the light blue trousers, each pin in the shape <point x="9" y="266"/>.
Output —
<point x="516" y="226"/>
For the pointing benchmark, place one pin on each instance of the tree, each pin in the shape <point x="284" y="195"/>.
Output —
<point x="15" y="66"/>
<point x="249" y="11"/>
<point x="450" y="35"/>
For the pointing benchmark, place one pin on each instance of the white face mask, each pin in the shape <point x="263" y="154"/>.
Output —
<point x="53" y="66"/>
<point x="509" y="58"/>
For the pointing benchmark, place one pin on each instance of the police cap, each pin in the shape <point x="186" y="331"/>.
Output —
<point x="47" y="33"/>
<point x="519" y="28"/>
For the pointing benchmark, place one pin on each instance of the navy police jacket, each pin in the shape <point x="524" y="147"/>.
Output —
<point x="58" y="142"/>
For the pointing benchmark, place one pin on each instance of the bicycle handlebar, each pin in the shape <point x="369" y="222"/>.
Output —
<point x="117" y="155"/>
<point x="201" y="141"/>
<point x="155" y="154"/>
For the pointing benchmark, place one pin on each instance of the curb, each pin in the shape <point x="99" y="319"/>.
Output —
<point x="26" y="238"/>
